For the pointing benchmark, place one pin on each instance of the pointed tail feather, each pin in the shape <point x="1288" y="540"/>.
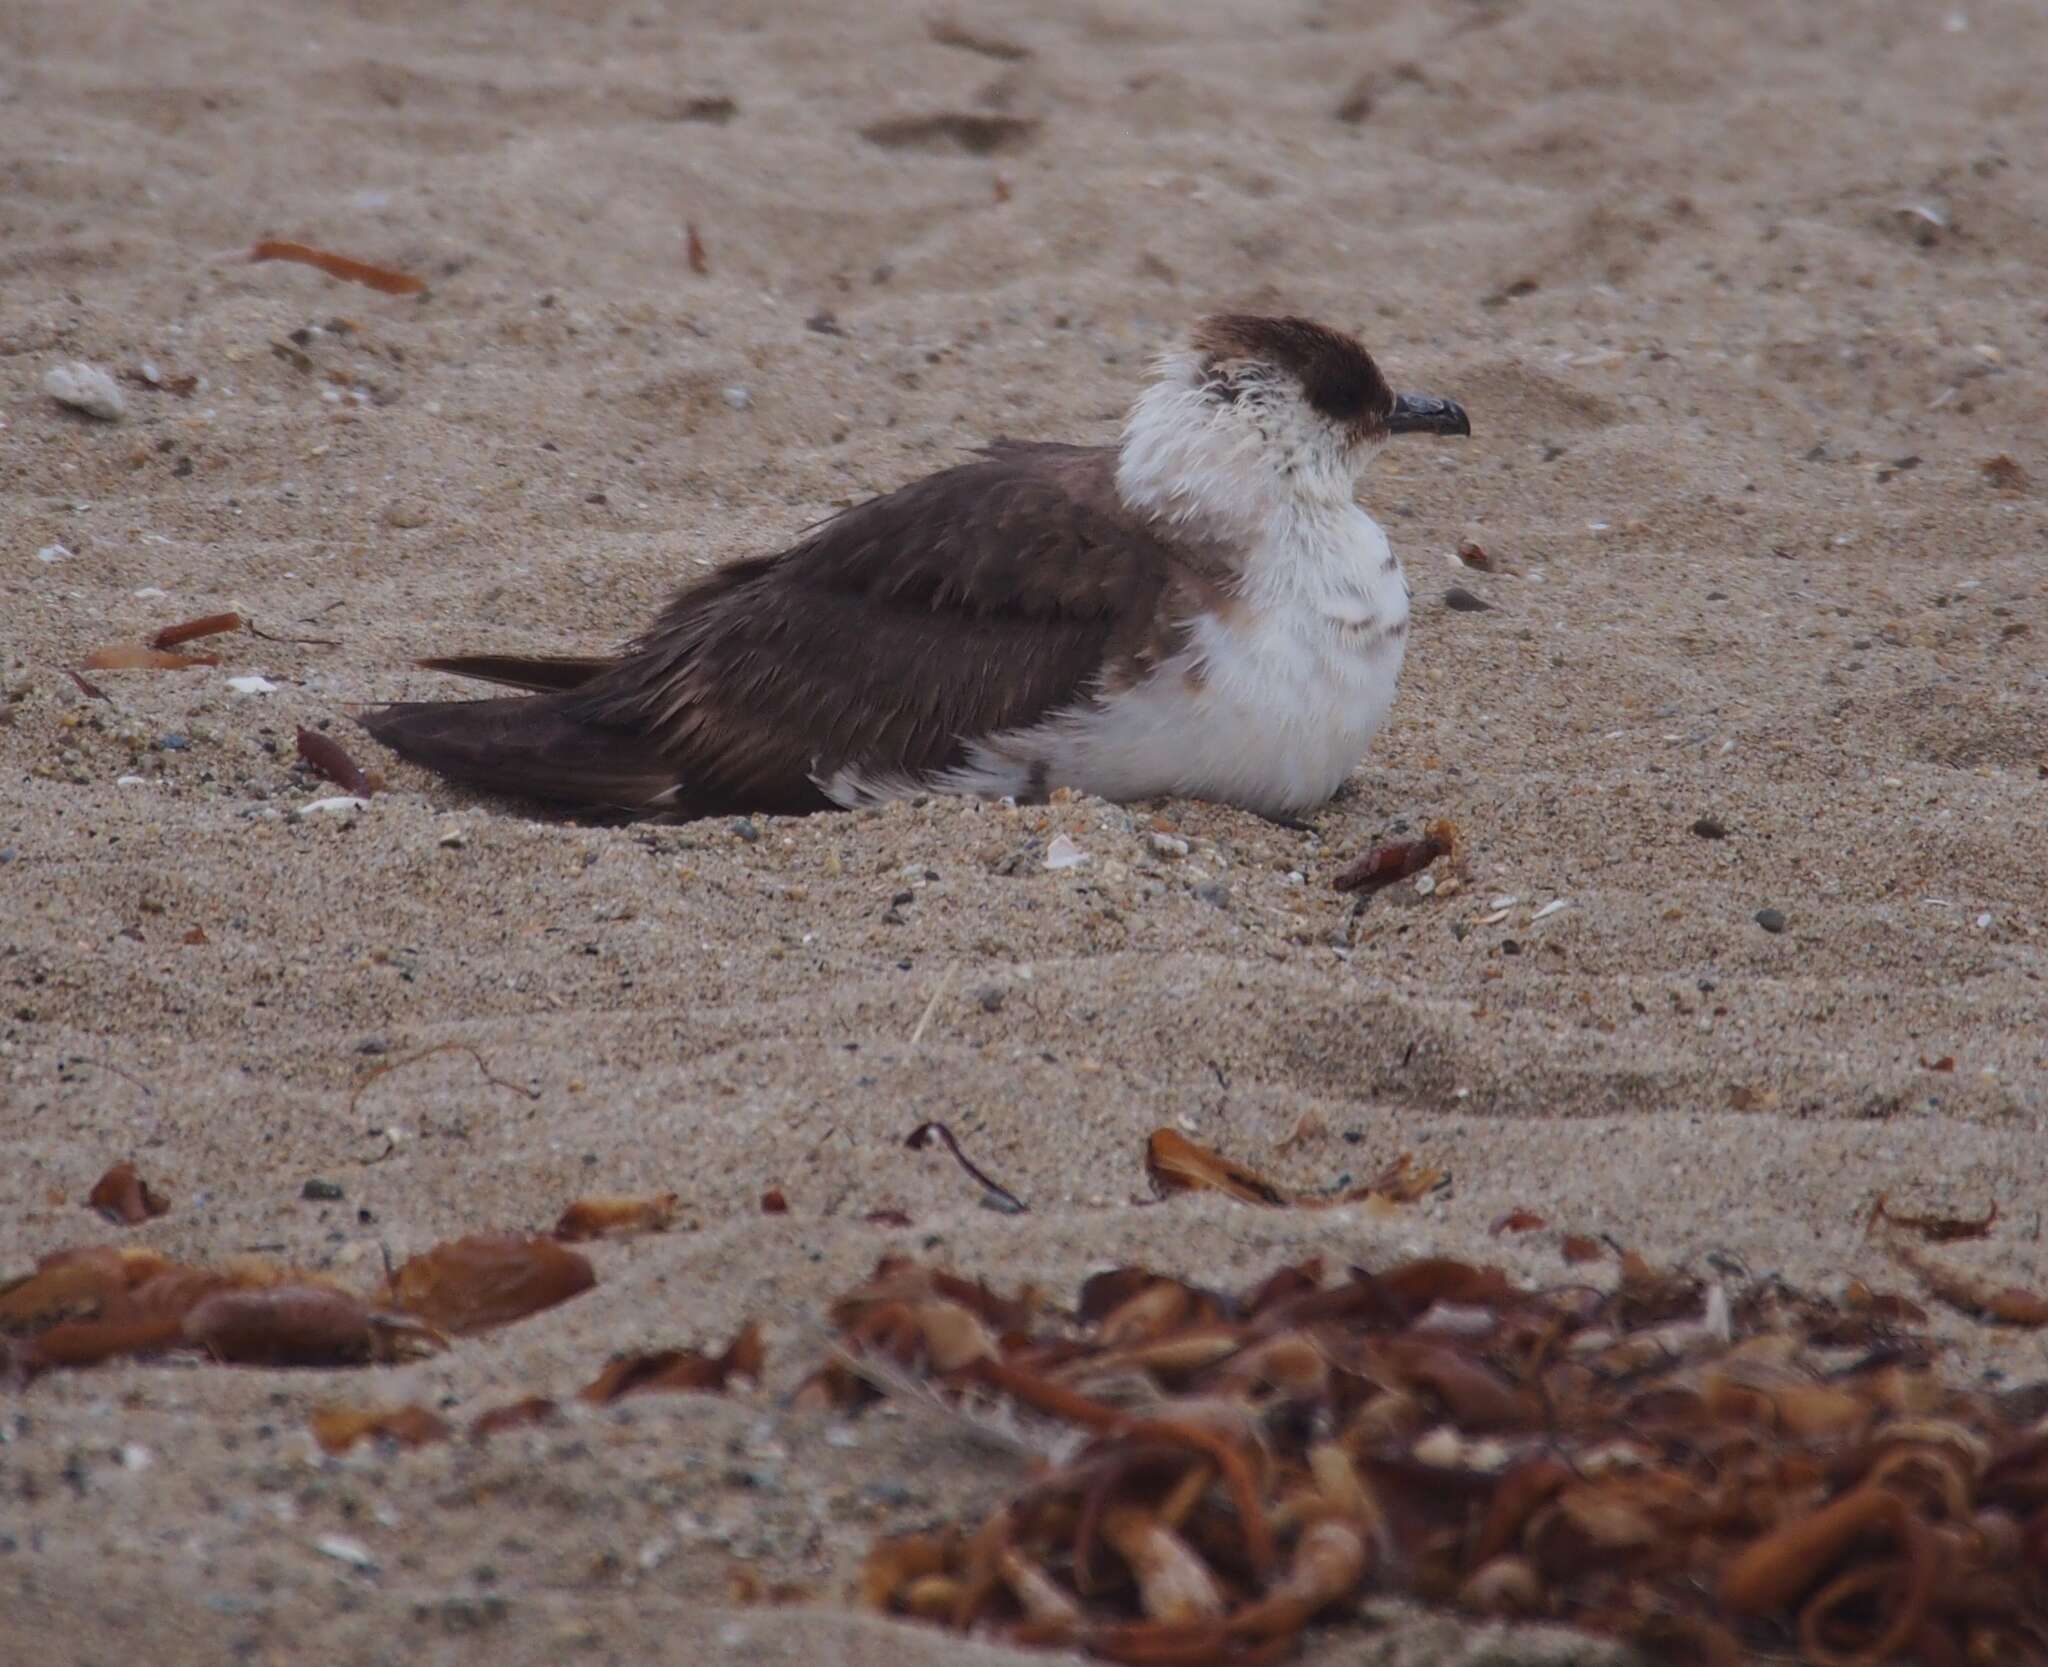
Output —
<point x="525" y="746"/>
<point x="542" y="673"/>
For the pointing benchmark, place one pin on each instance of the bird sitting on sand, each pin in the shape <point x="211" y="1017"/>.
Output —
<point x="1203" y="611"/>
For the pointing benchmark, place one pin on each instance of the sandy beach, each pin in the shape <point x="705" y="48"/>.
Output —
<point x="1746" y="308"/>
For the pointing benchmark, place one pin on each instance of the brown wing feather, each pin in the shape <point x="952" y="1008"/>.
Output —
<point x="979" y="599"/>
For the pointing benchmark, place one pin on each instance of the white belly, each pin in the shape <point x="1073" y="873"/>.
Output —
<point x="1270" y="706"/>
<point x="1271" y="713"/>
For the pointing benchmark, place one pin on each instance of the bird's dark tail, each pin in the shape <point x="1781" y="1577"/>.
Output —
<point x="542" y="673"/>
<point x="531" y="746"/>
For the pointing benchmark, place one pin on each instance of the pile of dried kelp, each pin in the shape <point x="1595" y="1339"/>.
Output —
<point x="1706" y="1471"/>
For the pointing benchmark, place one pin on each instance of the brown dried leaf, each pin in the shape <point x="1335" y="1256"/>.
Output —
<point x="1176" y="1164"/>
<point x="328" y="758"/>
<point x="1947" y="1062"/>
<point x="693" y="247"/>
<point x="77" y="1343"/>
<point x="596" y="1218"/>
<point x="208" y="625"/>
<point x="77" y="1284"/>
<point x="2005" y="474"/>
<point x="1936" y="1229"/>
<point x="337" y="1429"/>
<point x="773" y="1203"/>
<point x="339" y="266"/>
<point x="488" y="1279"/>
<point x="283" y="1325"/>
<point x="895" y="1563"/>
<point x="1518" y="1221"/>
<point x="124" y="1198"/>
<point x="134" y="657"/>
<point x="1578" y="1247"/>
<point x="679" y="1369"/>
<point x="1403" y="1181"/>
<point x="1384" y="865"/>
<point x="1975" y="1296"/>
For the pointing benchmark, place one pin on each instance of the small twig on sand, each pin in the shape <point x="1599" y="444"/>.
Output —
<point x="932" y="1006"/>
<point x="427" y="1053"/>
<point x="1001" y="1196"/>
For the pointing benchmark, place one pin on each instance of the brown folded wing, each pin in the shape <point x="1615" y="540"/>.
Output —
<point x="977" y="600"/>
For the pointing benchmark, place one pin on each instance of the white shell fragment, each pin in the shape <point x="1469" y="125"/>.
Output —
<point x="1550" y="908"/>
<point x="335" y="803"/>
<point x="86" y="388"/>
<point x="252" y="685"/>
<point x="345" y="1550"/>
<point x="1064" y="853"/>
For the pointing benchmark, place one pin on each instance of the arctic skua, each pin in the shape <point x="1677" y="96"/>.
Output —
<point x="1204" y="611"/>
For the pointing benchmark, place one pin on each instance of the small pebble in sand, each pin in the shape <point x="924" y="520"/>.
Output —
<point x="1461" y="601"/>
<point x="1710" y="827"/>
<point x="252" y="685"/>
<point x="1214" y="891"/>
<point x="323" y="1192"/>
<point x="51" y="553"/>
<point x="737" y="397"/>
<point x="1771" y="920"/>
<point x="86" y="388"/>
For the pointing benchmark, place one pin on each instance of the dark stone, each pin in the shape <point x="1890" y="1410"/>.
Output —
<point x="1710" y="827"/>
<point x="1461" y="601"/>
<point x="1771" y="920"/>
<point x="322" y="1192"/>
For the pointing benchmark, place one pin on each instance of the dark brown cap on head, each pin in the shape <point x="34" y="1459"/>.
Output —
<point x="1336" y="374"/>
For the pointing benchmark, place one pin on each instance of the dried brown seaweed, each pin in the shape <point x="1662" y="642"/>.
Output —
<point x="339" y="266"/>
<point x="125" y="1198"/>
<point x="1666" y="1462"/>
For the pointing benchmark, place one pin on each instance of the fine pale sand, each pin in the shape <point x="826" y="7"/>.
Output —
<point x="1742" y="302"/>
